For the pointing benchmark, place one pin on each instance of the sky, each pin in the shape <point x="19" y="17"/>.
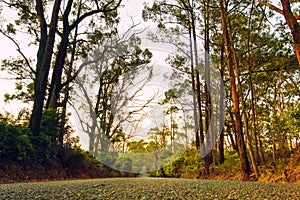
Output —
<point x="8" y="50"/>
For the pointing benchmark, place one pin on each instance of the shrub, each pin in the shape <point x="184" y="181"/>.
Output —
<point x="15" y="140"/>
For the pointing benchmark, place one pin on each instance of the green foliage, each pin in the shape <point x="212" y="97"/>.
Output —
<point x="137" y="146"/>
<point x="10" y="28"/>
<point x="50" y="125"/>
<point x="23" y="92"/>
<point x="24" y="156"/>
<point x="182" y="166"/>
<point x="123" y="164"/>
<point x="231" y="162"/>
<point x="15" y="143"/>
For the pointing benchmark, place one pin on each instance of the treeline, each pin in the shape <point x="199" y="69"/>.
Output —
<point x="259" y="69"/>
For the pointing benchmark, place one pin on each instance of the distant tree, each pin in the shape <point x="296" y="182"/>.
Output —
<point x="102" y="111"/>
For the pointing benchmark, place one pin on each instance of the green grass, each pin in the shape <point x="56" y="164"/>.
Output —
<point x="148" y="188"/>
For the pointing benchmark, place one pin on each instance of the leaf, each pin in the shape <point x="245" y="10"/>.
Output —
<point x="10" y="28"/>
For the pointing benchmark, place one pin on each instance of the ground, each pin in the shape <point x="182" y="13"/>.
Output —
<point x="148" y="188"/>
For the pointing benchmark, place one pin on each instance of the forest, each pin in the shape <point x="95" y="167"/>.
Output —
<point x="200" y="89"/>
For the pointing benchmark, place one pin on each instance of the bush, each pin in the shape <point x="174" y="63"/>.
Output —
<point x="124" y="164"/>
<point x="15" y="141"/>
<point x="231" y="163"/>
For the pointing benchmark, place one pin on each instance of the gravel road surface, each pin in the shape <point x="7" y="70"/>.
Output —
<point x="148" y="188"/>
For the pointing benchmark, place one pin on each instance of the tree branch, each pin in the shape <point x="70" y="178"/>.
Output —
<point x="19" y="50"/>
<point x="272" y="7"/>
<point x="85" y="15"/>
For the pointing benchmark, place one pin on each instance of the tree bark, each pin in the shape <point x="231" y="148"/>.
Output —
<point x="221" y="140"/>
<point x="208" y="158"/>
<point x="198" y="84"/>
<point x="56" y="81"/>
<point x="44" y="57"/>
<point x="291" y="20"/>
<point x="67" y="89"/>
<point x="273" y="124"/>
<point x="234" y="93"/>
<point x="246" y="124"/>
<point x="56" y="84"/>
<point x="194" y="93"/>
<point x="232" y="138"/>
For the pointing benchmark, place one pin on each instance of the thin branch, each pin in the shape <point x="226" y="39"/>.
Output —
<point x="176" y="6"/>
<point x="85" y="15"/>
<point x="19" y="50"/>
<point x="19" y="4"/>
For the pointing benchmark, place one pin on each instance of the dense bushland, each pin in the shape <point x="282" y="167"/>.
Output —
<point x="27" y="158"/>
<point x="285" y="169"/>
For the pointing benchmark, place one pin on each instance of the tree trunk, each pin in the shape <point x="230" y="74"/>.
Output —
<point x="232" y="138"/>
<point x="235" y="96"/>
<point x="291" y="20"/>
<point x="194" y="92"/>
<point x="252" y="91"/>
<point x="92" y="143"/>
<point x="198" y="84"/>
<point x="44" y="58"/>
<point x="56" y="84"/>
<point x="222" y="95"/>
<point x="254" y="121"/>
<point x="243" y="104"/>
<point x="294" y="26"/>
<point x="221" y="148"/>
<point x="67" y="89"/>
<point x="273" y="124"/>
<point x="56" y="81"/>
<point x="195" y="78"/>
<point x="207" y="160"/>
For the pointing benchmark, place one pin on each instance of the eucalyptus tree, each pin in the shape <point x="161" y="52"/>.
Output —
<point x="55" y="34"/>
<point x="179" y="17"/>
<point x="232" y="66"/>
<point x="256" y="50"/>
<point x="182" y="18"/>
<point x="108" y="86"/>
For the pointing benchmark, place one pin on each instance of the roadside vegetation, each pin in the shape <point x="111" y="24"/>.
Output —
<point x="25" y="158"/>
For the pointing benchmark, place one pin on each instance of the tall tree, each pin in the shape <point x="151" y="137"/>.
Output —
<point x="183" y="14"/>
<point x="232" y="64"/>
